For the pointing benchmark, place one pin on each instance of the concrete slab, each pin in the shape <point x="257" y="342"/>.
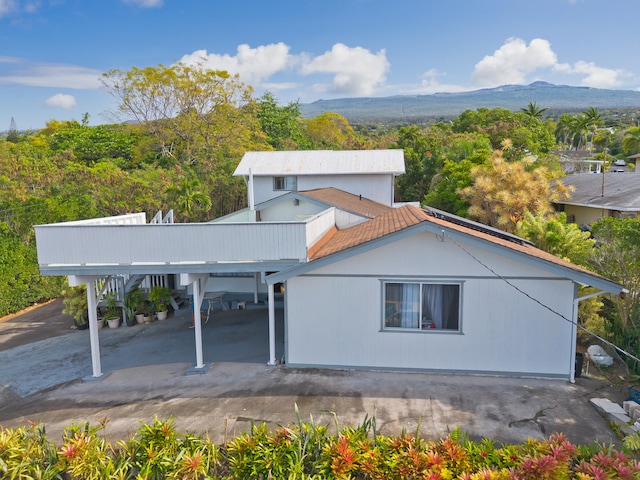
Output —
<point x="147" y="365"/>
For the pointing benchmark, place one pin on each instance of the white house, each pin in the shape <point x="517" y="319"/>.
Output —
<point x="367" y="173"/>
<point x="365" y="285"/>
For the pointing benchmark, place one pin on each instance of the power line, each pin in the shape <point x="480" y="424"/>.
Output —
<point x="497" y="275"/>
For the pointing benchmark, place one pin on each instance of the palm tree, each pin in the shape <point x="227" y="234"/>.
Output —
<point x="631" y="141"/>
<point x="592" y="120"/>
<point x="564" y="129"/>
<point x="189" y="197"/>
<point x="533" y="111"/>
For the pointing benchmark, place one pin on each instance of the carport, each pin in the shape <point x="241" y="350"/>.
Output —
<point x="89" y="251"/>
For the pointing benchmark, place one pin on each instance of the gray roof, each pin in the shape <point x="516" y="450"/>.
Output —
<point x="322" y="162"/>
<point x="621" y="190"/>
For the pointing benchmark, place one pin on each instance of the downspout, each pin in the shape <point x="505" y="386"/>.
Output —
<point x="574" y="327"/>
<point x="272" y="327"/>
<point x="250" y="196"/>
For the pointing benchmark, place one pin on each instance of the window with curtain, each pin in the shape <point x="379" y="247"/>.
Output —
<point x="422" y="306"/>
<point x="289" y="183"/>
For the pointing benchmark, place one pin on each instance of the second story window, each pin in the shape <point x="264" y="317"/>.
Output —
<point x="289" y="183"/>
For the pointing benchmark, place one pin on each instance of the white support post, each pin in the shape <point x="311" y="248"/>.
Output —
<point x="255" y="287"/>
<point x="93" y="328"/>
<point x="197" y="302"/>
<point x="272" y="327"/>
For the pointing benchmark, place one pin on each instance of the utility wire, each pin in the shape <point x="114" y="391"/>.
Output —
<point x="623" y="352"/>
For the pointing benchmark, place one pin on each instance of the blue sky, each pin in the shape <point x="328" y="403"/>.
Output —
<point x="52" y="52"/>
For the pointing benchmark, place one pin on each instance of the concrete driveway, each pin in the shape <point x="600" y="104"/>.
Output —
<point x="44" y="378"/>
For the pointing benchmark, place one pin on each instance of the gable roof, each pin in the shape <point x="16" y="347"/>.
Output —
<point x="409" y="220"/>
<point x="347" y="201"/>
<point x="621" y="191"/>
<point x="321" y="162"/>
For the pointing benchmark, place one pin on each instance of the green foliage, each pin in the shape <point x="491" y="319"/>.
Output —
<point x="302" y="451"/>
<point x="281" y="124"/>
<point x="446" y="185"/>
<point x="617" y="257"/>
<point x="76" y="304"/>
<point x="159" y="297"/>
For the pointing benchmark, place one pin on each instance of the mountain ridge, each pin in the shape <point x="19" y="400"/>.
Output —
<point x="450" y="104"/>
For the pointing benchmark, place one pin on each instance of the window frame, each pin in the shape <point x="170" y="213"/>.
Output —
<point x="289" y="183"/>
<point x="420" y="282"/>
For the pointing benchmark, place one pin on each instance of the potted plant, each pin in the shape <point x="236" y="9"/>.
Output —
<point x="146" y="311"/>
<point x="76" y="305"/>
<point x="160" y="297"/>
<point x="132" y="304"/>
<point x="112" y="315"/>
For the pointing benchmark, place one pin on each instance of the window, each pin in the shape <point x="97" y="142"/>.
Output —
<point x="422" y="306"/>
<point x="289" y="183"/>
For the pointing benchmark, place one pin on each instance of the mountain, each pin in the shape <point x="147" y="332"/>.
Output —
<point x="511" y="97"/>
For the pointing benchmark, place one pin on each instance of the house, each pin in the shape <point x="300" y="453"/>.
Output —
<point x="367" y="173"/>
<point x="593" y="196"/>
<point x="364" y="284"/>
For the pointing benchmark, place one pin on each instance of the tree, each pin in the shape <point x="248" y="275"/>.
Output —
<point x="617" y="257"/>
<point x="631" y="141"/>
<point x="189" y="198"/>
<point x="329" y="130"/>
<point x="192" y="112"/>
<point x="281" y="125"/>
<point x="533" y="110"/>
<point x="13" y="136"/>
<point x="553" y="234"/>
<point x="503" y="192"/>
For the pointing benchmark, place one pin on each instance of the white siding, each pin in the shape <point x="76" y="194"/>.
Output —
<point x="377" y="187"/>
<point x="335" y="314"/>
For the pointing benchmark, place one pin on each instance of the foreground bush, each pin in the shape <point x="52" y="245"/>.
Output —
<point x="302" y="451"/>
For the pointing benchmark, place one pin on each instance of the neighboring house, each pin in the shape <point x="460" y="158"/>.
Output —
<point x="365" y="285"/>
<point x="593" y="196"/>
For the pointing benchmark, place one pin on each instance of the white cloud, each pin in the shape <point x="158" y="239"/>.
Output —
<point x="597" y="77"/>
<point x="53" y="75"/>
<point x="516" y="62"/>
<point x="356" y="70"/>
<point x="7" y="6"/>
<point x="511" y="63"/>
<point x="145" y="3"/>
<point x="61" y="100"/>
<point x="430" y="83"/>
<point x="252" y="64"/>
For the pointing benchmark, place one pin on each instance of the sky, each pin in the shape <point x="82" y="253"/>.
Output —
<point x="53" y="52"/>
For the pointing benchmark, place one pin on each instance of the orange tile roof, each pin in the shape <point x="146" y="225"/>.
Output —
<point x="347" y="201"/>
<point x="403" y="217"/>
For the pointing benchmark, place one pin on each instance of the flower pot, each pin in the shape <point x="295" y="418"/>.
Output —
<point x="148" y="319"/>
<point x="100" y="323"/>
<point x="139" y="318"/>
<point x="113" y="322"/>
<point x="162" y="315"/>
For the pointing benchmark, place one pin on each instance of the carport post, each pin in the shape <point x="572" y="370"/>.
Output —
<point x="256" y="278"/>
<point x="272" y="327"/>
<point x="198" y="323"/>
<point x="93" y="329"/>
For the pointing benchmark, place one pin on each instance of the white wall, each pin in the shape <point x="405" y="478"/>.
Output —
<point x="374" y="187"/>
<point x="334" y="316"/>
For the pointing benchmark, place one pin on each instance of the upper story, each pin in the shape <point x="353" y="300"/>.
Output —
<point x="367" y="173"/>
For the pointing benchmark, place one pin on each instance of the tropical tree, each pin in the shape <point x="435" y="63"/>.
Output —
<point x="533" y="111"/>
<point x="189" y="198"/>
<point x="617" y="257"/>
<point x="192" y="112"/>
<point x="503" y="192"/>
<point x="281" y="124"/>
<point x="329" y="131"/>
<point x="631" y="141"/>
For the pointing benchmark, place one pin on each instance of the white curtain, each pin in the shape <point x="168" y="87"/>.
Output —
<point x="432" y="304"/>
<point x="410" y="300"/>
